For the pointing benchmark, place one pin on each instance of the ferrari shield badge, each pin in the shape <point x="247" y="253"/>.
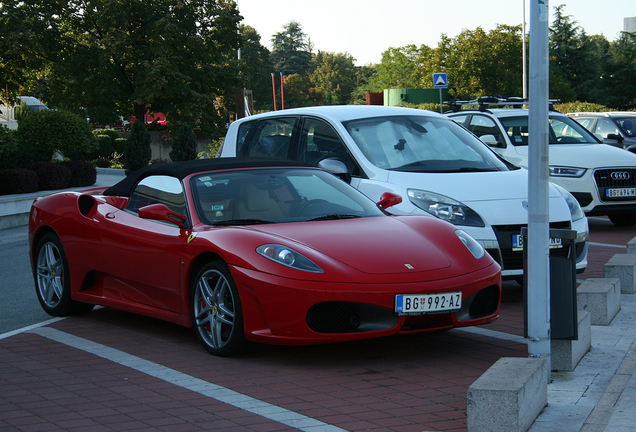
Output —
<point x="192" y="236"/>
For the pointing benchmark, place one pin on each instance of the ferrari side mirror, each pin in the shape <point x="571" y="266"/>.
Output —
<point x="389" y="199"/>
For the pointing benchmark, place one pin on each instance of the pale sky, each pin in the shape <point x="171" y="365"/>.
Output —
<point x="367" y="28"/>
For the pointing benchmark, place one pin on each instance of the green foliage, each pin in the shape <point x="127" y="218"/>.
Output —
<point x="580" y="107"/>
<point x="291" y="53"/>
<point x="256" y="67"/>
<point x="138" y="153"/>
<point x="184" y="146"/>
<point x="212" y="151"/>
<point x="120" y="145"/>
<point x="334" y="75"/>
<point x="22" y="111"/>
<point x="115" y="57"/>
<point x="45" y="132"/>
<point x="402" y="67"/>
<point x="8" y="144"/>
<point x="105" y="146"/>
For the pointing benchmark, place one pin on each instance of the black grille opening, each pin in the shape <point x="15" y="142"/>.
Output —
<point x="481" y="304"/>
<point x="584" y="198"/>
<point x="348" y="317"/>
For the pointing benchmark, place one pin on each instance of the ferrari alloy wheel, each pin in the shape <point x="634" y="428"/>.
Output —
<point x="216" y="311"/>
<point x="52" y="280"/>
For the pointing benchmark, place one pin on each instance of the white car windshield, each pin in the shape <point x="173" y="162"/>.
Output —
<point x="422" y="144"/>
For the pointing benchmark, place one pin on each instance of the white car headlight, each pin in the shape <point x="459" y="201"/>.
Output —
<point x="445" y="208"/>
<point x="562" y="171"/>
<point x="288" y="257"/>
<point x="471" y="244"/>
<point x="575" y="208"/>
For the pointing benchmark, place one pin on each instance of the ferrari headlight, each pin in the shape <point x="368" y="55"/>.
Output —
<point x="471" y="244"/>
<point x="562" y="171"/>
<point x="575" y="208"/>
<point x="288" y="257"/>
<point x="445" y="208"/>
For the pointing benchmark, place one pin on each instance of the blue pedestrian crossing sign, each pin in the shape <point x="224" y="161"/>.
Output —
<point x="440" y="80"/>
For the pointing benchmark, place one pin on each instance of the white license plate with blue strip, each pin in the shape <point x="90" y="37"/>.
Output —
<point x="419" y="304"/>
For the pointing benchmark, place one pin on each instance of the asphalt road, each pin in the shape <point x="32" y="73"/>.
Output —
<point x="19" y="306"/>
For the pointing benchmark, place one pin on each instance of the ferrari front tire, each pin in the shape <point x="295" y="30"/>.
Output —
<point x="53" y="281"/>
<point x="216" y="311"/>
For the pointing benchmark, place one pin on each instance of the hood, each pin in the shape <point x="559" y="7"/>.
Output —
<point x="586" y="155"/>
<point x="374" y="245"/>
<point x="471" y="187"/>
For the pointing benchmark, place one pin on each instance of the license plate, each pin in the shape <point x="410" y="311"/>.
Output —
<point x="620" y="192"/>
<point x="419" y="304"/>
<point x="517" y="242"/>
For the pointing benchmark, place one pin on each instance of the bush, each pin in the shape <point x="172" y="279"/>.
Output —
<point x="51" y="175"/>
<point x="137" y="153"/>
<point x="120" y="145"/>
<point x="580" y="107"/>
<point x="7" y="147"/>
<point x="184" y="146"/>
<point x="82" y="173"/>
<point x="18" y="181"/>
<point x="105" y="146"/>
<point x="105" y="150"/>
<point x="45" y="132"/>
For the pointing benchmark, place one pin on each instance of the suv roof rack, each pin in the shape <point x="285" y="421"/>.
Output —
<point x="485" y="102"/>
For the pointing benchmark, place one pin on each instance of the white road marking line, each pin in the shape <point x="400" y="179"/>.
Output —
<point x="222" y="394"/>
<point x="606" y="245"/>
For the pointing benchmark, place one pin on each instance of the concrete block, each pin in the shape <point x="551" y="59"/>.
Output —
<point x="631" y="246"/>
<point x="509" y="396"/>
<point x="601" y="297"/>
<point x="566" y="354"/>
<point x="622" y="266"/>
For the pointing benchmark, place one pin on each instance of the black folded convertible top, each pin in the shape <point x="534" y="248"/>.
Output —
<point x="181" y="170"/>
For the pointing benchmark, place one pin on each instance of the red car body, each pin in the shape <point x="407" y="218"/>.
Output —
<point x="138" y="263"/>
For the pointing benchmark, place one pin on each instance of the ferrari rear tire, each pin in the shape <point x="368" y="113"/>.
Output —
<point x="216" y="311"/>
<point x="53" y="281"/>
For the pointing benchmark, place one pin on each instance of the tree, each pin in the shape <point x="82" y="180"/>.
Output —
<point x="184" y="146"/>
<point x="480" y="63"/>
<point x="568" y="65"/>
<point x="137" y="152"/>
<point x="291" y="50"/>
<point x="300" y="92"/>
<point x="28" y="41"/>
<point x="129" y="56"/>
<point x="400" y="68"/>
<point x="256" y="66"/>
<point x="620" y="76"/>
<point x="334" y="75"/>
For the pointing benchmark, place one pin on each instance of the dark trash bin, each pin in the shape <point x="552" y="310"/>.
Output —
<point x="564" y="323"/>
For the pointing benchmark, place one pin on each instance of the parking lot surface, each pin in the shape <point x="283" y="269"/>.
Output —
<point x="110" y="370"/>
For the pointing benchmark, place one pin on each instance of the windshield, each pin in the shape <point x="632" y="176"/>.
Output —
<point x="421" y="144"/>
<point x="563" y="130"/>
<point x="256" y="196"/>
